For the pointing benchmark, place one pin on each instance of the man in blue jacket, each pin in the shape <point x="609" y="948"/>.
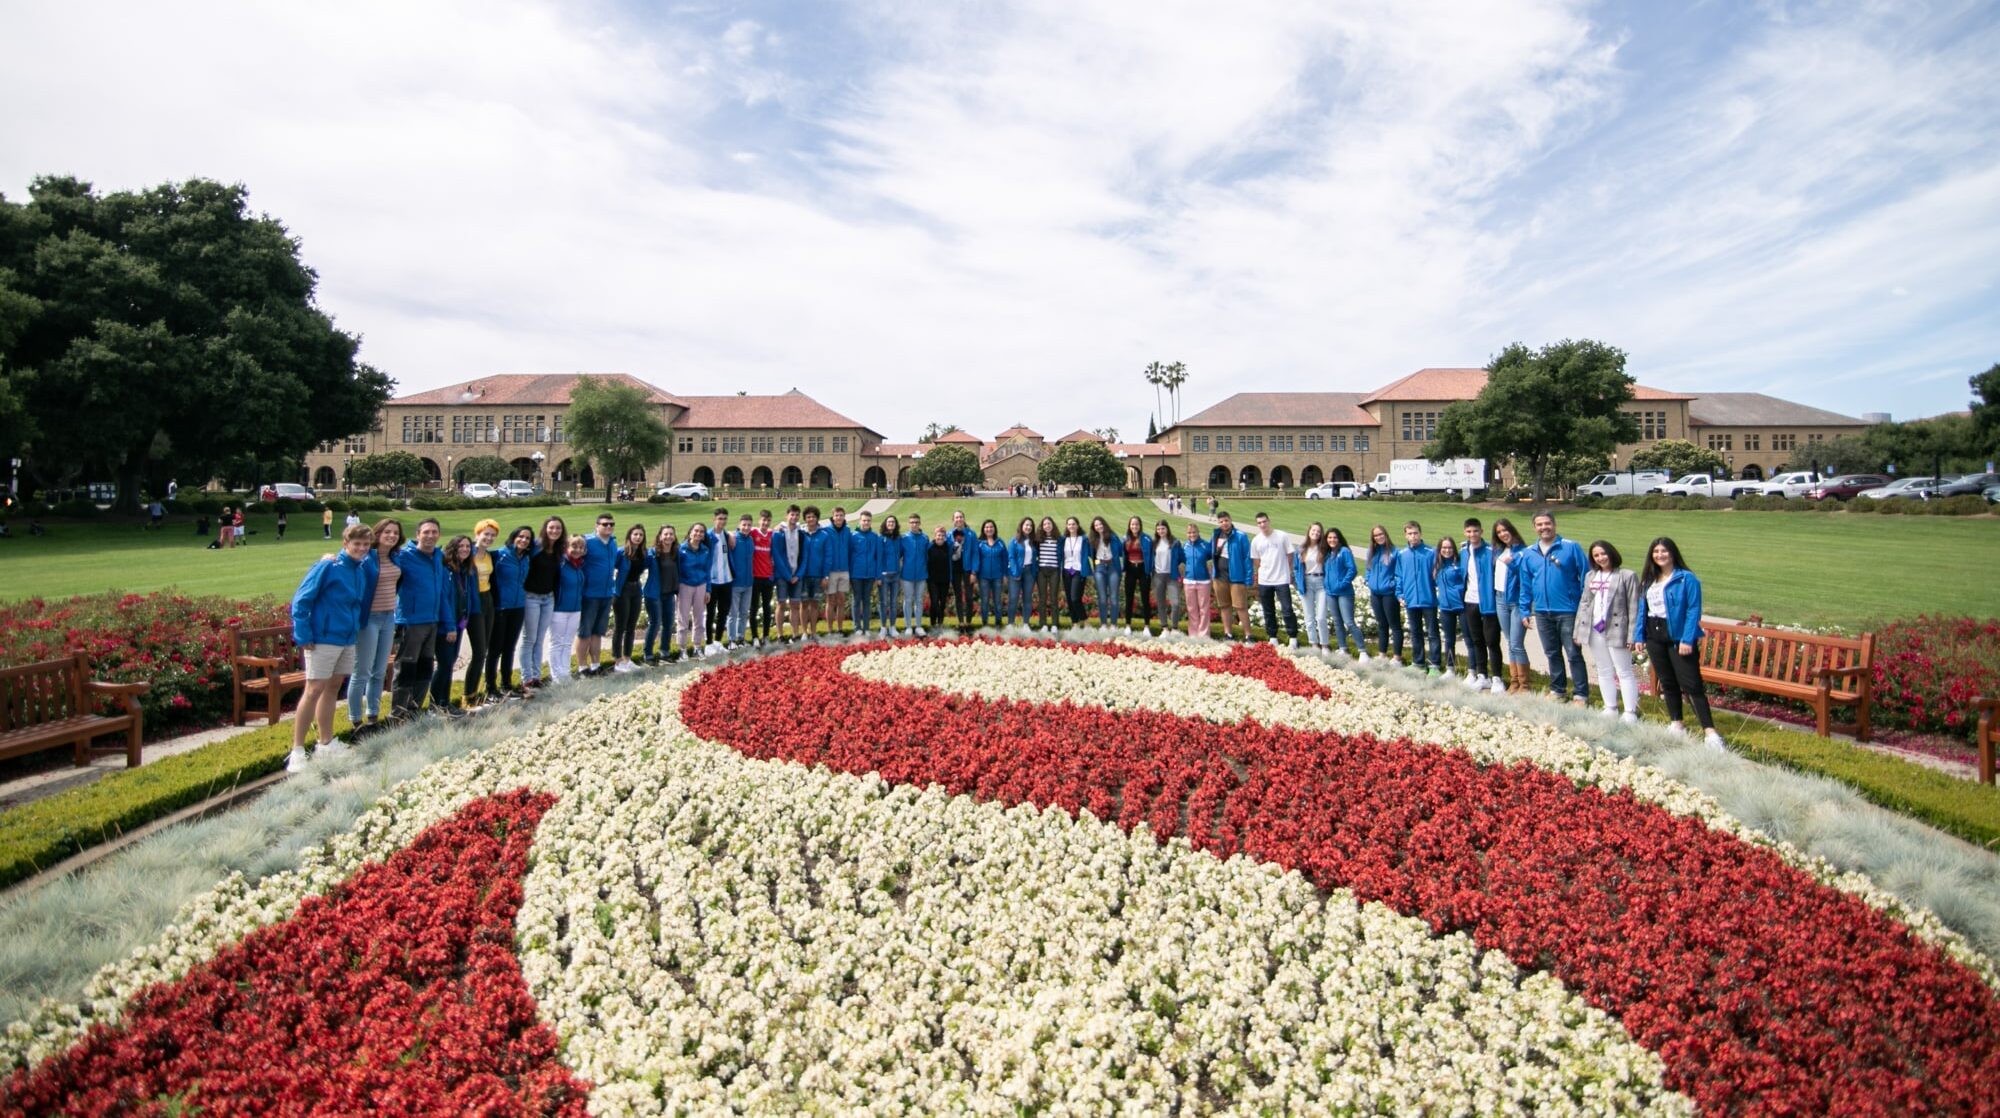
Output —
<point x="961" y="538"/>
<point x="1552" y="573"/>
<point x="839" y="560"/>
<point x="1417" y="587"/>
<point x="423" y="610"/>
<point x="600" y="567"/>
<point x="788" y="568"/>
<point x="327" y="614"/>
<point x="1234" y="573"/>
<point x="1482" y="618"/>
<point x="864" y="560"/>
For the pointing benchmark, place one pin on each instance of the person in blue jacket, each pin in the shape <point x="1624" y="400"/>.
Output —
<point x="889" y="583"/>
<point x="742" y="582"/>
<point x="600" y="566"/>
<point x="1448" y="581"/>
<point x="1198" y="580"/>
<point x="628" y="597"/>
<point x="461" y="581"/>
<point x="328" y="610"/>
<point x="989" y="563"/>
<point x="788" y="568"/>
<point x="1669" y="621"/>
<point x="864" y="567"/>
<point x="423" y="613"/>
<point x="1482" y="616"/>
<point x="913" y="572"/>
<point x="818" y="542"/>
<point x="964" y="575"/>
<point x="1417" y="589"/>
<point x="1382" y="594"/>
<point x="1340" y="575"/>
<point x="1164" y="564"/>
<point x="839" y="569"/>
<point x="1022" y="552"/>
<point x="663" y="590"/>
<point x="566" y="609"/>
<point x="697" y="569"/>
<point x="1551" y="573"/>
<point x="510" y="601"/>
<point x="1235" y="572"/>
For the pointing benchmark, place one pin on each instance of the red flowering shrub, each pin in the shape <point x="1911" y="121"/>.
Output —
<point x="178" y="644"/>
<point x="1763" y="991"/>
<point x="397" y="993"/>
<point x="1929" y="669"/>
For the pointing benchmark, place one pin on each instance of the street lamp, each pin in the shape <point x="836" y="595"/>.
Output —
<point x="346" y="475"/>
<point x="447" y="471"/>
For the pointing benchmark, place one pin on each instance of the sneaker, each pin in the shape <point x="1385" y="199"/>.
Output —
<point x="1295" y="642"/>
<point x="1499" y="686"/>
<point x="1432" y="674"/>
<point x="1629" y="716"/>
<point x="295" y="761"/>
<point x="331" y="749"/>
<point x="1714" y="741"/>
<point x="1475" y="681"/>
<point x="920" y="630"/>
<point x="623" y="667"/>
<point x="1581" y="701"/>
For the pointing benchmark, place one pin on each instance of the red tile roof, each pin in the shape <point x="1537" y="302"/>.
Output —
<point x="792" y="409"/>
<point x="961" y="437"/>
<point x="1284" y="409"/>
<point x="1080" y="436"/>
<point x="1464" y="384"/>
<point x="1024" y="432"/>
<point x="524" y="390"/>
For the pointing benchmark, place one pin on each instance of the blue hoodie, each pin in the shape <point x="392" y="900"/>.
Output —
<point x="1413" y="577"/>
<point x="1451" y="587"/>
<point x="1551" y="583"/>
<point x="816" y="552"/>
<point x="629" y="571"/>
<point x="510" y="574"/>
<point x="1196" y="556"/>
<point x="962" y="541"/>
<point x="697" y="563"/>
<point x="864" y="555"/>
<point x="1340" y="572"/>
<point x="1481" y="559"/>
<point x="889" y="556"/>
<point x="569" y="587"/>
<point x="1683" y="594"/>
<point x="988" y="560"/>
<point x="422" y="594"/>
<point x="332" y="601"/>
<point x="742" y="559"/>
<point x="1382" y="570"/>
<point x="781" y="558"/>
<point x="839" y="548"/>
<point x="600" y="567"/>
<point x="1234" y="550"/>
<point x="916" y="552"/>
<point x="1020" y="557"/>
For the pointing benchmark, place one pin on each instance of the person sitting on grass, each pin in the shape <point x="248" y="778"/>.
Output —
<point x="328" y="609"/>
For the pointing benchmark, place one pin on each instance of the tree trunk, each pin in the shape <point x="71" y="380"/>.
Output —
<point x="129" y="473"/>
<point x="1541" y="468"/>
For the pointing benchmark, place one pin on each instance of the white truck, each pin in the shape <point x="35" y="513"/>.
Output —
<point x="1632" y="483"/>
<point x="1708" y="485"/>
<point x="1421" y="475"/>
<point x="1793" y="484"/>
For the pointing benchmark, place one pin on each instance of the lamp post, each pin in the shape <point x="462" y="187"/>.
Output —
<point x="447" y="471"/>
<point x="347" y="475"/>
<point x="1730" y="460"/>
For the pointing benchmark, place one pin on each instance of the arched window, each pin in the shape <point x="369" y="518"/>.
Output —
<point x="1164" y="478"/>
<point x="822" y="478"/>
<point x="793" y="477"/>
<point x="1310" y="477"/>
<point x="903" y="478"/>
<point x="524" y="468"/>
<point x="587" y="479"/>
<point x="1342" y="473"/>
<point x="1753" y="472"/>
<point x="1281" y="477"/>
<point x="732" y="476"/>
<point x="562" y="471"/>
<point x="704" y="476"/>
<point x="875" y="478"/>
<point x="323" y="478"/>
<point x="1250" y="477"/>
<point x="1218" y="478"/>
<point x="431" y="468"/>
<point x="760" y="478"/>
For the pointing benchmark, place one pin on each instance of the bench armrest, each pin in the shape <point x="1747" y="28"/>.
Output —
<point x="258" y="661"/>
<point x="1984" y="705"/>
<point x="97" y="687"/>
<point x="1829" y="673"/>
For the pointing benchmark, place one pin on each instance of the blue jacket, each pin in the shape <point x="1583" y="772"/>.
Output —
<point x="1235" y="552"/>
<point x="889" y="555"/>
<point x="1382" y="571"/>
<point x="1451" y="587"/>
<point x="510" y="572"/>
<point x="569" y="588"/>
<point x="463" y="586"/>
<point x="1413" y="577"/>
<point x="1551" y="583"/>
<point x="600" y="567"/>
<point x="1178" y="563"/>
<point x="988" y="560"/>
<point x="1340" y="572"/>
<point x="1481" y="559"/>
<point x="864" y="555"/>
<point x="781" y="558"/>
<point x="1683" y="594"/>
<point x="742" y="559"/>
<point x="816" y="552"/>
<point x="658" y="587"/>
<point x="422" y="596"/>
<point x="1196" y="557"/>
<point x="332" y="600"/>
<point x="629" y="571"/>
<point x="839" y="548"/>
<point x="916" y="551"/>
<point x="696" y="563"/>
<point x="1020" y="557"/>
<point x="1299" y="571"/>
<point x="962" y="541"/>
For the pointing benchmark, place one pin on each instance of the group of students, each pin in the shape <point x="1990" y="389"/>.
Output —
<point x="541" y="598"/>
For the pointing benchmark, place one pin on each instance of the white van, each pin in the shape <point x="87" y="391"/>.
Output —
<point x="515" y="489"/>
<point x="1632" y="484"/>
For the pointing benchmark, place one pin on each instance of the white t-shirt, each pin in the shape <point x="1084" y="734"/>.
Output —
<point x="1656" y="599"/>
<point x="1471" y="577"/>
<point x="1163" y="557"/>
<point x="1273" y="556"/>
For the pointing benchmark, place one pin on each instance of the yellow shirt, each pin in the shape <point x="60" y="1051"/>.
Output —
<point x="482" y="561"/>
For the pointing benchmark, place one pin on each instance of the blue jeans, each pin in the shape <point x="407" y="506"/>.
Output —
<point x="739" y="612"/>
<point x="1423" y="626"/>
<point x="658" y="623"/>
<point x="1559" y="644"/>
<point x="889" y="587"/>
<point x="1343" y="622"/>
<point x="989" y="601"/>
<point x="1108" y="577"/>
<point x="913" y="604"/>
<point x="534" y="633"/>
<point x="864" y="603"/>
<point x="371" y="664"/>
<point x="1316" y="611"/>
<point x="1511" y="623"/>
<point x="1448" y="620"/>
<point x="1020" y="597"/>
<point x="1388" y="619"/>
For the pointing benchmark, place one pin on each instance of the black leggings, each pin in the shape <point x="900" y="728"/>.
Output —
<point x="479" y="630"/>
<point x="1136" y="582"/>
<point x="1074" y="584"/>
<point x="762" y="594"/>
<point x="939" y="592"/>
<point x="626" y="610"/>
<point x="1678" y="675"/>
<point x="500" y="646"/>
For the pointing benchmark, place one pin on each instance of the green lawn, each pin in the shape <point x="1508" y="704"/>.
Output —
<point x="1795" y="568"/>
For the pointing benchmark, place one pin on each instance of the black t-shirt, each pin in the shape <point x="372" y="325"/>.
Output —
<point x="939" y="561"/>
<point x="542" y="572"/>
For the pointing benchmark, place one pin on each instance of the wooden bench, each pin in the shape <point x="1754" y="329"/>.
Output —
<point x="51" y="704"/>
<point x="1989" y="734"/>
<point x="1820" y="671"/>
<point x="264" y="662"/>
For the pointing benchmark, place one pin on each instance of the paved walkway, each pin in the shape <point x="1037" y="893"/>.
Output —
<point x="64" y="776"/>
<point x="876" y="507"/>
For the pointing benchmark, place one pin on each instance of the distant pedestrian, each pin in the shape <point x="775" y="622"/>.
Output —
<point x="237" y="527"/>
<point x="281" y="525"/>
<point x="326" y="523"/>
<point x="173" y="488"/>
<point x="353" y="519"/>
<point x="225" y="529"/>
<point x="157" y="513"/>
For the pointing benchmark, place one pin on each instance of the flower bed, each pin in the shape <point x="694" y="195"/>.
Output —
<point x="1019" y="877"/>
<point x="1929" y="669"/>
<point x="178" y="644"/>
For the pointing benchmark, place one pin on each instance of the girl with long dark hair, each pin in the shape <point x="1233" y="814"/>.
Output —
<point x="1669" y="621"/>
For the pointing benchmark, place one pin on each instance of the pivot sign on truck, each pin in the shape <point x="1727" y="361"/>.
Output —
<point x="1421" y="475"/>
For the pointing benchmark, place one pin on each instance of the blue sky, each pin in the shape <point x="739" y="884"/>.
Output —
<point x="984" y="213"/>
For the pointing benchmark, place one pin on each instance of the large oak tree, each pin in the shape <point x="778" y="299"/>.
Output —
<point x="1564" y="398"/>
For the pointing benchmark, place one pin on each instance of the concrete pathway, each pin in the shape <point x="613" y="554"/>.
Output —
<point x="64" y="776"/>
<point x="876" y="507"/>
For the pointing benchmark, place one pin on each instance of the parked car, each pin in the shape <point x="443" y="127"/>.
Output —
<point x="1795" y="484"/>
<point x="686" y="490"/>
<point x="1970" y="484"/>
<point x="516" y="489"/>
<point x="1918" y="487"/>
<point x="1708" y="485"/>
<point x="284" y="491"/>
<point x="1992" y="494"/>
<point x="1335" y="491"/>
<point x="1844" y="488"/>
<point x="478" y="491"/>
<point x="1632" y="483"/>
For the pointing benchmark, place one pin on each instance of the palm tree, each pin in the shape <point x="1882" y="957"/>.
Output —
<point x="1156" y="375"/>
<point x="1174" y="376"/>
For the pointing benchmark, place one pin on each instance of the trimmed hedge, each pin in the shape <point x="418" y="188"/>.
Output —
<point x="40" y="834"/>
<point x="453" y="502"/>
<point x="1960" y="807"/>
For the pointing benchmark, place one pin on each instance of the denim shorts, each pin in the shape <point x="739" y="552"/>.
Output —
<point x="596" y="619"/>
<point x="809" y="588"/>
<point x="789" y="590"/>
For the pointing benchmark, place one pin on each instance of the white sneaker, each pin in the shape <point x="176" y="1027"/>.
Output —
<point x="622" y="667"/>
<point x="713" y="649"/>
<point x="1677" y="727"/>
<point x="1365" y="657"/>
<point x="1714" y="741"/>
<point x="1628" y="716"/>
<point x="1499" y="686"/>
<point x="295" y="762"/>
<point x="334" y="748"/>
<point x="1476" y="682"/>
<point x="1295" y="642"/>
<point x="920" y="630"/>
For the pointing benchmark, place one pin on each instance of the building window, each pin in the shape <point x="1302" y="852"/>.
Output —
<point x="1753" y="442"/>
<point x="708" y="444"/>
<point x="1815" y="437"/>
<point x="1784" y="442"/>
<point x="684" y="445"/>
<point x="1250" y="443"/>
<point x="1652" y="425"/>
<point x="816" y="444"/>
<point x="1360" y="443"/>
<point x="1419" y="426"/>
<point x="732" y="444"/>
<point x="1337" y="442"/>
<point x="1312" y="444"/>
<point x="423" y="429"/>
<point x="357" y="444"/>
<point x="1224" y="444"/>
<point x="1281" y="444"/>
<point x="791" y="444"/>
<point x="840" y="444"/>
<point x="1198" y="443"/>
<point x="1721" y="442"/>
<point x="556" y="435"/>
<point x="760" y="444"/>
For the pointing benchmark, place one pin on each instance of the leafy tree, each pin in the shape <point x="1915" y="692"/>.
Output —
<point x="1561" y="399"/>
<point x="1952" y="443"/>
<point x="1087" y="464"/>
<point x="613" y="425"/>
<point x="1986" y="405"/>
<point x="1567" y="471"/>
<point x="1152" y="432"/>
<point x="486" y="468"/>
<point x="1678" y="457"/>
<point x="393" y="468"/>
<point x="168" y="331"/>
<point x="936" y="431"/>
<point x="946" y="467"/>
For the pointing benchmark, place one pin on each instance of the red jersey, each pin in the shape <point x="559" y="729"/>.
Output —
<point x="760" y="555"/>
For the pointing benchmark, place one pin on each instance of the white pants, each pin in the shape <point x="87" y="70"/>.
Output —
<point x="562" y="636"/>
<point x="1614" y="662"/>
